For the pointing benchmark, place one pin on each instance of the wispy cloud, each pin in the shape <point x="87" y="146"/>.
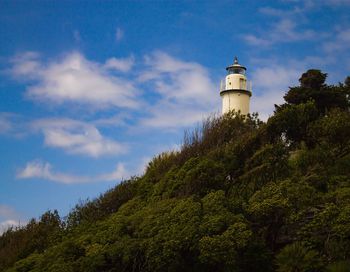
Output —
<point x="7" y="212"/>
<point x="285" y="30"/>
<point x="123" y="65"/>
<point x="174" y="115"/>
<point x="8" y="217"/>
<point x="26" y="66"/>
<point x="120" y="119"/>
<point x="119" y="34"/>
<point x="316" y="3"/>
<point x="272" y="82"/>
<point x="140" y="170"/>
<point x="287" y="25"/>
<point x="77" y="137"/>
<point x="276" y="12"/>
<point x="337" y="2"/>
<point x="186" y="90"/>
<point x="76" y="36"/>
<point x="73" y="78"/>
<point x="12" y="124"/>
<point x="174" y="78"/>
<point x="325" y="2"/>
<point x="272" y="78"/>
<point x="4" y="225"/>
<point x="339" y="42"/>
<point x="44" y="170"/>
<point x="5" y="123"/>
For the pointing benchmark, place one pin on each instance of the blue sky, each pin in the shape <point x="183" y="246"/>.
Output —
<point x="91" y="91"/>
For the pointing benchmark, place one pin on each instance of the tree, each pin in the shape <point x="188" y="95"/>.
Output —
<point x="298" y="258"/>
<point x="313" y="79"/>
<point x="342" y="266"/>
<point x="220" y="252"/>
<point x="347" y="81"/>
<point x="291" y="122"/>
<point x="313" y="87"/>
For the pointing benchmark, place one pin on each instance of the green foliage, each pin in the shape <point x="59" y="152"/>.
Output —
<point x="220" y="252"/>
<point x="36" y="236"/>
<point x="103" y="206"/>
<point x="342" y="266"/>
<point x="241" y="195"/>
<point x="291" y="122"/>
<point x="312" y="87"/>
<point x="297" y="257"/>
<point x="332" y="130"/>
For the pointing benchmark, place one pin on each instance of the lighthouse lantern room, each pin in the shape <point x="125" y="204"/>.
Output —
<point x="235" y="90"/>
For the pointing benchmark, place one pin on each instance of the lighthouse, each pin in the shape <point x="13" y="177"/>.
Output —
<point x="235" y="90"/>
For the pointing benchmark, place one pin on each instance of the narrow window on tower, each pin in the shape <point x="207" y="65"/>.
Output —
<point x="241" y="84"/>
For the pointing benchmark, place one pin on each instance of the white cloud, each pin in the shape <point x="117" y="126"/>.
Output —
<point x="119" y="34"/>
<point x="309" y="4"/>
<point x="5" y="225"/>
<point x="26" y="65"/>
<point x="180" y="88"/>
<point x="114" y="120"/>
<point x="288" y="26"/>
<point x="8" y="218"/>
<point x="329" y="2"/>
<point x="140" y="170"/>
<point x="77" y="137"/>
<point x="340" y="42"/>
<point x="7" y="211"/>
<point x="172" y="115"/>
<point x="337" y="2"/>
<point x="5" y="123"/>
<point x="123" y="65"/>
<point x="254" y="40"/>
<point x="272" y="83"/>
<point x="183" y="92"/>
<point x="12" y="124"/>
<point x="285" y="30"/>
<point x="76" y="36"/>
<point x="74" y="79"/>
<point x="175" y="78"/>
<point x="44" y="170"/>
<point x="186" y="90"/>
<point x="270" y="11"/>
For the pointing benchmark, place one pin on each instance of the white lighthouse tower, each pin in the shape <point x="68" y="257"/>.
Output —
<point x="235" y="90"/>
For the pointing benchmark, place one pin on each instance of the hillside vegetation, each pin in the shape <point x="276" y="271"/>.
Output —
<point x="240" y="195"/>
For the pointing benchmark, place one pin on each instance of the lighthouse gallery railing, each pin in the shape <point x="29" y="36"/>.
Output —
<point x="243" y="85"/>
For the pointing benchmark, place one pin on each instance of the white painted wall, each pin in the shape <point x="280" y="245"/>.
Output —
<point x="235" y="101"/>
<point x="233" y="81"/>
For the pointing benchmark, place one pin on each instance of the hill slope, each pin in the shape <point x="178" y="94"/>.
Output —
<point x="241" y="195"/>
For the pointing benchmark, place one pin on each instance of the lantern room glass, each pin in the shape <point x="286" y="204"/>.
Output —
<point x="236" y="70"/>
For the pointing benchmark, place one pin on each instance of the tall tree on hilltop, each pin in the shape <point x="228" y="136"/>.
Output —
<point x="313" y="87"/>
